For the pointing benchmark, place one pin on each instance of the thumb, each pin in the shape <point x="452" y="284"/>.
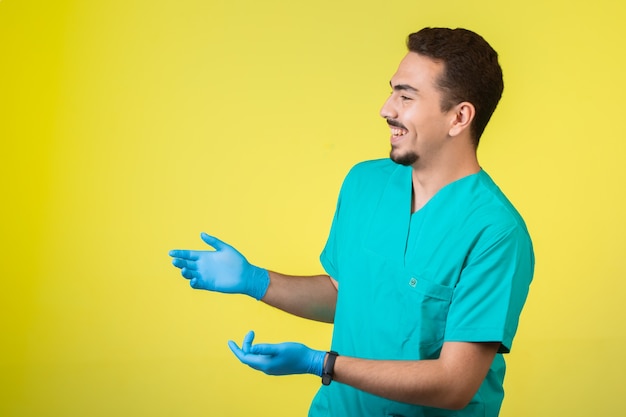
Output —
<point x="215" y="242"/>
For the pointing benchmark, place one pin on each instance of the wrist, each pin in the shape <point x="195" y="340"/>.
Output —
<point x="328" y="371"/>
<point x="317" y="362"/>
<point x="259" y="281"/>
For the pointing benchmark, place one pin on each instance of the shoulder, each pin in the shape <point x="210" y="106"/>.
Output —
<point x="501" y="209"/>
<point x="372" y="173"/>
<point x="375" y="165"/>
<point x="494" y="220"/>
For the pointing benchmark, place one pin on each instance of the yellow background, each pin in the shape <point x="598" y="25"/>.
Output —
<point x="128" y="127"/>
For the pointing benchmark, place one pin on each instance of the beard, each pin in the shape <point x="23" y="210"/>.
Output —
<point x="406" y="159"/>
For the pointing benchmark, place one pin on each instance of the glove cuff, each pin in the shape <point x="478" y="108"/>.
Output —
<point x="317" y="363"/>
<point x="259" y="281"/>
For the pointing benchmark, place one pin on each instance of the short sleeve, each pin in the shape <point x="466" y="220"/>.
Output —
<point x="329" y="256"/>
<point x="492" y="289"/>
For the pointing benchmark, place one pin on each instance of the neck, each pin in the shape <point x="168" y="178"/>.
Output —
<point x="428" y="180"/>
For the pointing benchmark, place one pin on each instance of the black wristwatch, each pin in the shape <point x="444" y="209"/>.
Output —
<point x="329" y="368"/>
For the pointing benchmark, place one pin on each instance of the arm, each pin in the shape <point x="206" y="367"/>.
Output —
<point x="226" y="270"/>
<point x="449" y="382"/>
<point x="311" y="297"/>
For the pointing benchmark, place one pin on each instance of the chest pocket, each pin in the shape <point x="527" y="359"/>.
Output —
<point x="425" y="306"/>
<point x="394" y="312"/>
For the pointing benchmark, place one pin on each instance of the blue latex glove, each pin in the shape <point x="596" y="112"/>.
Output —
<point x="279" y="359"/>
<point x="223" y="270"/>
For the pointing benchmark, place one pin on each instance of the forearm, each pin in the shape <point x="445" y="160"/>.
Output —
<point x="448" y="382"/>
<point x="414" y="382"/>
<point x="311" y="297"/>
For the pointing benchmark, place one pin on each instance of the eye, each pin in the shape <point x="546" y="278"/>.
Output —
<point x="405" y="98"/>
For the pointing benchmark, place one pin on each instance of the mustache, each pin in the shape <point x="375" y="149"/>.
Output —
<point x="395" y="123"/>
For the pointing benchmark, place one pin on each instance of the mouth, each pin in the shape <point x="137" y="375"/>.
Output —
<point x="397" y="130"/>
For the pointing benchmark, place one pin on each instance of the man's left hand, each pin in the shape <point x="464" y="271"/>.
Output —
<point x="279" y="359"/>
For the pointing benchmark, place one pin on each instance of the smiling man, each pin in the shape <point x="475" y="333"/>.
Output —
<point x="428" y="264"/>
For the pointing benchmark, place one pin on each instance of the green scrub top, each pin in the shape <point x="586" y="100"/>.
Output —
<point x="458" y="269"/>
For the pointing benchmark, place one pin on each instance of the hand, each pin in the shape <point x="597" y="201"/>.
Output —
<point x="279" y="359"/>
<point x="223" y="270"/>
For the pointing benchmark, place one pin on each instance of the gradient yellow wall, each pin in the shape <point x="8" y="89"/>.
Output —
<point x="128" y="127"/>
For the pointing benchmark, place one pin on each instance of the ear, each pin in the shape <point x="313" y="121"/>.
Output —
<point x="463" y="113"/>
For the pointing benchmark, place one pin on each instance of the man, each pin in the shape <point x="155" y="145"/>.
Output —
<point x="428" y="263"/>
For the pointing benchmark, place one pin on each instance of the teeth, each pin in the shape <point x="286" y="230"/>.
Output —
<point x="397" y="132"/>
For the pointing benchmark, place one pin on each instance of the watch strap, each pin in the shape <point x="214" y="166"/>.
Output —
<point x="329" y="368"/>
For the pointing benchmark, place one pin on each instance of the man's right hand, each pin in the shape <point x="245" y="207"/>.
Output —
<point x="223" y="269"/>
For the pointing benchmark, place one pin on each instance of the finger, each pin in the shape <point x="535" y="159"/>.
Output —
<point x="235" y="349"/>
<point x="184" y="254"/>
<point x="255" y="362"/>
<point x="181" y="263"/>
<point x="215" y="242"/>
<point x="189" y="273"/>
<point x="266" y="349"/>
<point x="247" y="342"/>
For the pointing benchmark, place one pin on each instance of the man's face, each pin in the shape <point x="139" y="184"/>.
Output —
<point x="413" y="111"/>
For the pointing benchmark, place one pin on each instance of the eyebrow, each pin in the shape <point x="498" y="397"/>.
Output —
<point x="403" y="87"/>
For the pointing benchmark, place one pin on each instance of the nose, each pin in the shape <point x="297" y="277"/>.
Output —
<point x="388" y="110"/>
